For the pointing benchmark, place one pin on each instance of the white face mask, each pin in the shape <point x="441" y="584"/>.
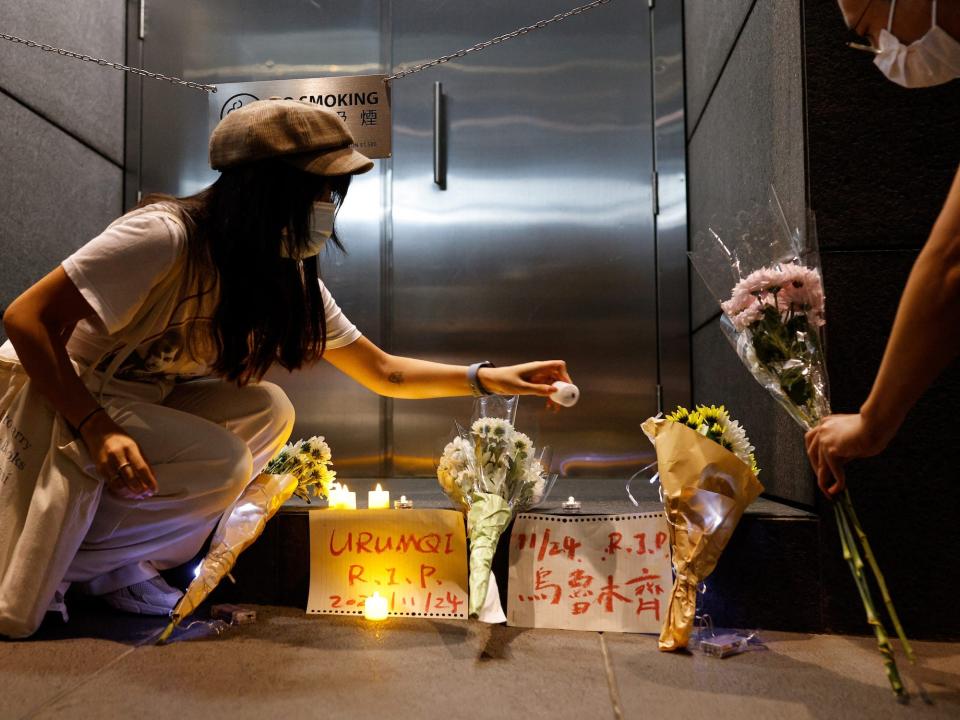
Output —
<point x="932" y="60"/>
<point x="321" y="228"/>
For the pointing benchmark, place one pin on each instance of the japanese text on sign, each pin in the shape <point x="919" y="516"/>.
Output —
<point x="416" y="559"/>
<point x="609" y="572"/>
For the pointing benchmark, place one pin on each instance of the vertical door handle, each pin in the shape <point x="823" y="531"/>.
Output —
<point x="439" y="137"/>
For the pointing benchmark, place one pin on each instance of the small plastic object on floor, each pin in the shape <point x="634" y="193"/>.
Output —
<point x="721" y="643"/>
<point x="233" y="614"/>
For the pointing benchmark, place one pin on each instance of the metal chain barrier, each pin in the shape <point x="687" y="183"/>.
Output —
<point x="107" y="63"/>
<point x="396" y="76"/>
<point x="499" y="39"/>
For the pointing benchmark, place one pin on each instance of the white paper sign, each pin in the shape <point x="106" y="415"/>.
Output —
<point x="599" y="572"/>
<point x="415" y="559"/>
<point x="363" y="101"/>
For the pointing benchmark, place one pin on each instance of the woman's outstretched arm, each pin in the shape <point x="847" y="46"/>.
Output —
<point x="403" y="377"/>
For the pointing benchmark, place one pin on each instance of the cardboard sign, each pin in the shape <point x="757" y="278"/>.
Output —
<point x="363" y="101"/>
<point x="416" y="559"/>
<point x="601" y="572"/>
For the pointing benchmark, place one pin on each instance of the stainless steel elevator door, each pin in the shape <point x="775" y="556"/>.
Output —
<point x="542" y="244"/>
<point x="241" y="40"/>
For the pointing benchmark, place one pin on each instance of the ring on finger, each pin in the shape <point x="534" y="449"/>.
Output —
<point x="120" y="469"/>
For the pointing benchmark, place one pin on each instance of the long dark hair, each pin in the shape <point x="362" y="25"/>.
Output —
<point x="269" y="307"/>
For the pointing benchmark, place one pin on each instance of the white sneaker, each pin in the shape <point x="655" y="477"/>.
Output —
<point x="150" y="597"/>
<point x="58" y="604"/>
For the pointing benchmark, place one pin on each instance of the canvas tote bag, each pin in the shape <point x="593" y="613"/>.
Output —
<point x="49" y="487"/>
<point x="49" y="493"/>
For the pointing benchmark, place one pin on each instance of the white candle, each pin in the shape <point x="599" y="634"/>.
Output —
<point x="349" y="499"/>
<point x="375" y="607"/>
<point x="333" y="497"/>
<point x="341" y="498"/>
<point x="378" y="499"/>
<point x="566" y="395"/>
<point x="403" y="503"/>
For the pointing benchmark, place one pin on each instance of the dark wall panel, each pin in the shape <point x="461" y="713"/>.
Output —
<point x="81" y="97"/>
<point x="881" y="156"/>
<point x="895" y="491"/>
<point x="55" y="194"/>
<point x="751" y="132"/>
<point x="711" y="29"/>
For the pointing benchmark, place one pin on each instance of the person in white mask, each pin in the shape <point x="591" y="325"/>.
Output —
<point x="915" y="43"/>
<point x="133" y="371"/>
<point x="925" y="338"/>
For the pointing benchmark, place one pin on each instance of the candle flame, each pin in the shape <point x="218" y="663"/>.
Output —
<point x="379" y="489"/>
<point x="570" y="499"/>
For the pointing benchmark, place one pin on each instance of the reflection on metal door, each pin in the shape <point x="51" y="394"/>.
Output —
<point x="231" y="41"/>
<point x="540" y="246"/>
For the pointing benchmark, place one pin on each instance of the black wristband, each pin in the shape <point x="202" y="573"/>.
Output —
<point x="87" y="417"/>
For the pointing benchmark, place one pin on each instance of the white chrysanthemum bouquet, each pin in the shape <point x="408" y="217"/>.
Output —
<point x="309" y="462"/>
<point x="493" y="458"/>
<point x="490" y="472"/>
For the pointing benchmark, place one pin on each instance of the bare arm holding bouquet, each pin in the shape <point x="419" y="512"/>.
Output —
<point x="924" y="340"/>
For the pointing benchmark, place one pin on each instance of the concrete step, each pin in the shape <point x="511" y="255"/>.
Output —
<point x="768" y="576"/>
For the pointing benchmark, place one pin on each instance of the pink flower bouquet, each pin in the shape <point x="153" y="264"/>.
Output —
<point x="778" y="311"/>
<point x="767" y="280"/>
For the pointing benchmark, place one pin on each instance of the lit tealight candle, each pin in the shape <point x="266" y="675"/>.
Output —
<point x="341" y="498"/>
<point x="333" y="496"/>
<point x="378" y="499"/>
<point x="571" y="505"/>
<point x="403" y="503"/>
<point x="375" y="607"/>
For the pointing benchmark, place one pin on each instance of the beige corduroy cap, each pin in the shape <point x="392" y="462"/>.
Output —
<point x="309" y="137"/>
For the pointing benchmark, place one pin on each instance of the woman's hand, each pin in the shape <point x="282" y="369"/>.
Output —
<point x="118" y="458"/>
<point x="533" y="378"/>
<point x="833" y="443"/>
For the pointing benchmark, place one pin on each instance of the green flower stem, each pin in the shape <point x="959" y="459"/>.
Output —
<point x="852" y="556"/>
<point x="881" y="583"/>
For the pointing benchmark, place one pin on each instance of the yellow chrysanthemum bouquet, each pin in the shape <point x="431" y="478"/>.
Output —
<point x="708" y="477"/>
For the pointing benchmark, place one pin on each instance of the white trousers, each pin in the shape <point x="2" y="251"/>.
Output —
<point x="205" y="441"/>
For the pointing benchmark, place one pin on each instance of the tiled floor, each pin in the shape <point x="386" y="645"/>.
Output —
<point x="288" y="665"/>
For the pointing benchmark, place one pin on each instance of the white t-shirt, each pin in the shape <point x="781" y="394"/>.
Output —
<point x="115" y="272"/>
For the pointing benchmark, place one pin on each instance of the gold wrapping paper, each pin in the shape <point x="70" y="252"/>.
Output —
<point x="706" y="488"/>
